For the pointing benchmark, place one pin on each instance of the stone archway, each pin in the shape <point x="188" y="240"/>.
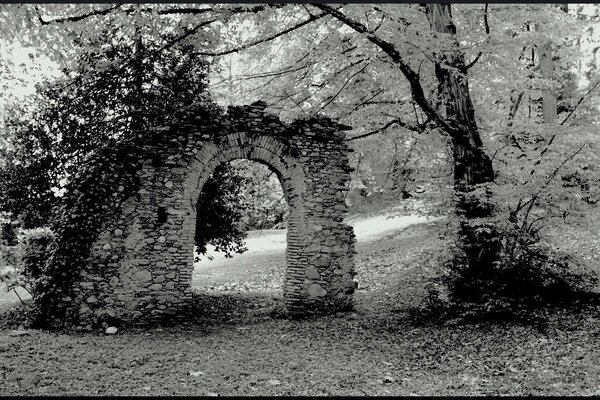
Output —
<point x="146" y="252"/>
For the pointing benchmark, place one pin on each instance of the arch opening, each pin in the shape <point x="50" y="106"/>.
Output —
<point x="240" y="238"/>
<point x="240" y="234"/>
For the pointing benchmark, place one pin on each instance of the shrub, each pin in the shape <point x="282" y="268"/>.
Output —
<point x="8" y="232"/>
<point x="23" y="263"/>
<point x="34" y="244"/>
<point x="513" y="274"/>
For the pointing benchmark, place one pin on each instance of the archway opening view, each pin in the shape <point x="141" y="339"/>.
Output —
<point x="240" y="240"/>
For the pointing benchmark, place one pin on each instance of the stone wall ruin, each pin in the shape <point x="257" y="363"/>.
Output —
<point x="141" y="264"/>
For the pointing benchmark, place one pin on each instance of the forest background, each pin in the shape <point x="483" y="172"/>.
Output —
<point x="485" y="113"/>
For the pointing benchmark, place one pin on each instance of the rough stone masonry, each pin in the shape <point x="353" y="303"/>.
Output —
<point x="140" y="268"/>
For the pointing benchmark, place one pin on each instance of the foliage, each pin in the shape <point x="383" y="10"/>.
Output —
<point x="262" y="196"/>
<point x="27" y="173"/>
<point x="92" y="143"/>
<point x="157" y="89"/>
<point x="548" y="174"/>
<point x="329" y="61"/>
<point x="48" y="145"/>
<point x="425" y="359"/>
<point x="92" y="198"/>
<point x="9" y="252"/>
<point x="218" y="212"/>
<point x="35" y="244"/>
<point x="240" y="196"/>
<point x="22" y="254"/>
<point x="518" y="273"/>
<point x="549" y="181"/>
<point x="8" y="230"/>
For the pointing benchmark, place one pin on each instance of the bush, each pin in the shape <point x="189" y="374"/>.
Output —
<point x="8" y="232"/>
<point x="34" y="244"/>
<point x="22" y="255"/>
<point x="514" y="274"/>
<point x="24" y="262"/>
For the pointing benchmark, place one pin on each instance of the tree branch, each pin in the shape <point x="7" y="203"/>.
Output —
<point x="469" y="65"/>
<point x="376" y="131"/>
<point x="169" y="11"/>
<point x="419" y="128"/>
<point x="579" y="102"/>
<point x="390" y="49"/>
<point x="567" y="117"/>
<point x="263" y="40"/>
<point x="514" y="108"/>
<point x="77" y="17"/>
<point x="533" y="198"/>
<point x="364" y="103"/>
<point x="341" y="88"/>
<point x="485" y="19"/>
<point x="387" y="177"/>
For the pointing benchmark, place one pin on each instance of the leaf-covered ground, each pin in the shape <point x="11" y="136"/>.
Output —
<point x="238" y="344"/>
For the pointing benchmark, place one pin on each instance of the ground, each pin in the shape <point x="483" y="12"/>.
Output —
<point x="238" y="343"/>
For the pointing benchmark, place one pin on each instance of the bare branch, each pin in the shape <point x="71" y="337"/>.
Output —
<point x="565" y="120"/>
<point x="169" y="11"/>
<point x="469" y="65"/>
<point x="387" y="177"/>
<point x="485" y="20"/>
<point x="289" y="69"/>
<point x="290" y="96"/>
<point x="533" y="198"/>
<point x="419" y="128"/>
<point x="496" y="152"/>
<point x="376" y="131"/>
<point x="365" y="103"/>
<point x="563" y="163"/>
<point x="185" y="35"/>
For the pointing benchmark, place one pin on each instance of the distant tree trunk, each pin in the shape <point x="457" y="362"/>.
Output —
<point x="472" y="166"/>
<point x="547" y="72"/>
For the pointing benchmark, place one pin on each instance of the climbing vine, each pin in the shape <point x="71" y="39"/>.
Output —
<point x="93" y="199"/>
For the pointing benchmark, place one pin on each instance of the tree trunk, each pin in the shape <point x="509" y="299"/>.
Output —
<point x="472" y="166"/>
<point x="547" y="72"/>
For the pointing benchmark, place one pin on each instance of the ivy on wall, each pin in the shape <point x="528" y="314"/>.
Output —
<point x="93" y="198"/>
